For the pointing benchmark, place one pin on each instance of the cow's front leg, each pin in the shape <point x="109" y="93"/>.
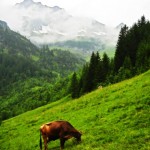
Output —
<point x="45" y="142"/>
<point x="45" y="146"/>
<point x="62" y="142"/>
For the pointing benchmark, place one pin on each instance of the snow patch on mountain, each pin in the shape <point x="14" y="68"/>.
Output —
<point x="43" y="25"/>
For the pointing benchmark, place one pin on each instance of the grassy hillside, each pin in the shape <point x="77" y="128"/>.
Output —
<point x="113" y="118"/>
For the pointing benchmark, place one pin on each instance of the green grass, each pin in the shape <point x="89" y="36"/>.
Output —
<point x="114" y="118"/>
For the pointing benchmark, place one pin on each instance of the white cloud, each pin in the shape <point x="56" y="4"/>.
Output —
<point x="105" y="11"/>
<point x="110" y="12"/>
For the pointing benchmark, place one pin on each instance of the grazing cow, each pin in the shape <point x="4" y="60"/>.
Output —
<point x="62" y="130"/>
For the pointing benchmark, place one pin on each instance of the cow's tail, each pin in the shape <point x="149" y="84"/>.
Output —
<point x="40" y="141"/>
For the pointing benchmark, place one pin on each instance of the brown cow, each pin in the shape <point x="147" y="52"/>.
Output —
<point x="62" y="130"/>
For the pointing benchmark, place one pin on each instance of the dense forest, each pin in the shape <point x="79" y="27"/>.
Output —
<point x="132" y="57"/>
<point x="30" y="79"/>
<point x="30" y="76"/>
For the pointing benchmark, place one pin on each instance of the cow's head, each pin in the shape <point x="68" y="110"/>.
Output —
<point x="78" y="136"/>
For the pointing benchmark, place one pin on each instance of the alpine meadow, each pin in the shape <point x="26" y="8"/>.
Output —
<point x="115" y="117"/>
<point x="72" y="83"/>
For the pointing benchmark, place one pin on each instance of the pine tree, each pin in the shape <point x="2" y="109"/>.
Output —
<point x="142" y="21"/>
<point x="138" y="33"/>
<point x="120" y="49"/>
<point x="98" y="70"/>
<point x="127" y="68"/>
<point x="83" y="80"/>
<point x="91" y="74"/>
<point x="127" y="63"/>
<point x="105" y="66"/>
<point x="143" y="57"/>
<point x="74" y="86"/>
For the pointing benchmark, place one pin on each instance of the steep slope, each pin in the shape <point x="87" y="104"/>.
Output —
<point x="14" y="43"/>
<point x="16" y="54"/>
<point x="115" y="117"/>
<point x="24" y="67"/>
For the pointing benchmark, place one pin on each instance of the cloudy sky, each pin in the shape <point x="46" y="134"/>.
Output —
<point x="109" y="12"/>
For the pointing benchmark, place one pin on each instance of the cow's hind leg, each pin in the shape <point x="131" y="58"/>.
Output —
<point x="62" y="142"/>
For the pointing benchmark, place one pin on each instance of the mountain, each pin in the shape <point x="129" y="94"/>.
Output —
<point x="26" y="72"/>
<point x="14" y="43"/>
<point x="3" y="26"/>
<point x="115" y="117"/>
<point x="51" y="25"/>
<point x="15" y="46"/>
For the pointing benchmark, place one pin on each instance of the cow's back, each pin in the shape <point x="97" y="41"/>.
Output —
<point x="64" y="125"/>
<point x="56" y="128"/>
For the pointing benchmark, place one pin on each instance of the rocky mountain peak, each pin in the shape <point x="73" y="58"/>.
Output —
<point x="3" y="25"/>
<point x="25" y="3"/>
<point x="38" y="5"/>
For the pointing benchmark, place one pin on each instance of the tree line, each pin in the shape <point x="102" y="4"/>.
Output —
<point x="132" y="57"/>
